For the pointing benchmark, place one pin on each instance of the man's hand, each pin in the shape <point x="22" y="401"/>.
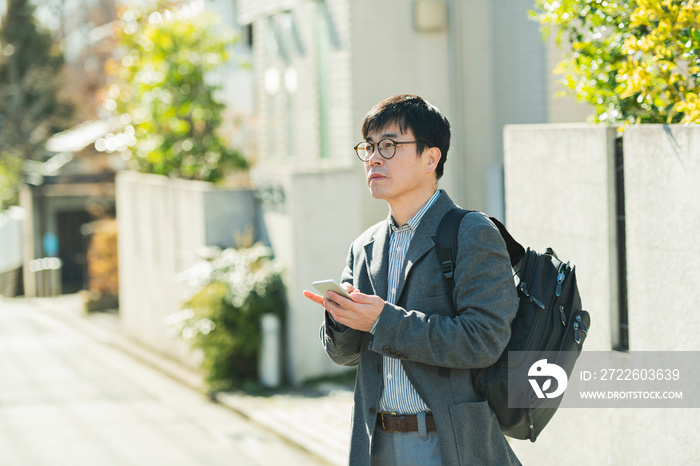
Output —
<point x="359" y="313"/>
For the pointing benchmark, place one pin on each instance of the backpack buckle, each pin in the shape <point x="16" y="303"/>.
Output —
<point x="447" y="269"/>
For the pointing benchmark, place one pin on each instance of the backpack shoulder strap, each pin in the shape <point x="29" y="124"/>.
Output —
<point x="447" y="236"/>
<point x="515" y="250"/>
<point x="447" y="241"/>
<point x="446" y="247"/>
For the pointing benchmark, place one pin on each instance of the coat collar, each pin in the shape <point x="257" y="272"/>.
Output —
<point x="424" y="239"/>
<point x="377" y="249"/>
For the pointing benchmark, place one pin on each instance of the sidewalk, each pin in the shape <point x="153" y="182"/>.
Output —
<point x="315" y="419"/>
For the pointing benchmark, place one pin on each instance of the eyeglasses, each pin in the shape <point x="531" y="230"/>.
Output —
<point x="387" y="148"/>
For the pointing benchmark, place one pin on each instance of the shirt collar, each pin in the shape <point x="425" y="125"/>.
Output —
<point x="415" y="221"/>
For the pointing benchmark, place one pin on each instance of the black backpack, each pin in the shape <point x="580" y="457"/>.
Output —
<point x="549" y="321"/>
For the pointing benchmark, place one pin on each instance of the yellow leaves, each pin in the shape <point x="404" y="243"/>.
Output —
<point x="662" y="62"/>
<point x="690" y="108"/>
<point x="689" y="13"/>
<point x="633" y="44"/>
<point x="103" y="263"/>
<point x="635" y="78"/>
<point x="640" y="17"/>
<point x="633" y="61"/>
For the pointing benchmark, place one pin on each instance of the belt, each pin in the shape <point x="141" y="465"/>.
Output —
<point x="391" y="422"/>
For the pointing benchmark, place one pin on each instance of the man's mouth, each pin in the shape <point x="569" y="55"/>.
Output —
<point x="375" y="176"/>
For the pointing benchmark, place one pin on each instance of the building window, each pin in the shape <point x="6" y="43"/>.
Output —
<point x="327" y="38"/>
<point x="280" y="80"/>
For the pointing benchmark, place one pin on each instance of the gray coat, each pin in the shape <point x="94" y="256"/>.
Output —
<point x="425" y="332"/>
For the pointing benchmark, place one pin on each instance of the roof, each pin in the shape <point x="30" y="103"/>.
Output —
<point x="79" y="137"/>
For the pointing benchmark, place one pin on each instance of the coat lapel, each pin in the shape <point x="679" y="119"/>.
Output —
<point x="418" y="248"/>
<point x="377" y="260"/>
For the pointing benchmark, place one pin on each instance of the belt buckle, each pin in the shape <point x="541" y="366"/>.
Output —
<point x="382" y="414"/>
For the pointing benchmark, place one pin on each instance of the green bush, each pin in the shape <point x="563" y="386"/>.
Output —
<point x="231" y="290"/>
<point x="634" y="61"/>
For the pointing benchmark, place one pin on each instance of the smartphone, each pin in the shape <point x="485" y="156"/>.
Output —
<point x="324" y="286"/>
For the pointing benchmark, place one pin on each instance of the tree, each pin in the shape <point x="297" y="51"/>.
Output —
<point x="635" y="61"/>
<point x="30" y="111"/>
<point x="161" y="94"/>
<point x="91" y="26"/>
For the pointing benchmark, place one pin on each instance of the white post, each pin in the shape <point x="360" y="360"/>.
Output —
<point x="269" y="363"/>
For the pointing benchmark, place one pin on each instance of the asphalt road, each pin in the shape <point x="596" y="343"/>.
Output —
<point x="67" y="399"/>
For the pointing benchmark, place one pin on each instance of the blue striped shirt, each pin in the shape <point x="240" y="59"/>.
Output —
<point x="398" y="395"/>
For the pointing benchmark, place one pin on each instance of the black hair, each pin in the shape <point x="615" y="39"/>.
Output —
<point x="426" y="122"/>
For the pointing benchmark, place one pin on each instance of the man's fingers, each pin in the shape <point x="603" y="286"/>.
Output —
<point x="335" y="301"/>
<point x="348" y="287"/>
<point x="362" y="298"/>
<point x="314" y="297"/>
<point x="333" y="296"/>
<point x="359" y="313"/>
<point x="331" y="301"/>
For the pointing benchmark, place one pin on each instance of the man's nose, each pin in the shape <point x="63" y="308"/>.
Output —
<point x="375" y="157"/>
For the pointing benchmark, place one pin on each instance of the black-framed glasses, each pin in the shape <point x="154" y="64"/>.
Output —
<point x="386" y="147"/>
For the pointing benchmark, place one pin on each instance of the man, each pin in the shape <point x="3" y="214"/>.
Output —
<point x="414" y="398"/>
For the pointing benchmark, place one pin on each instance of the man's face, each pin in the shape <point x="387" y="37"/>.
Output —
<point x="397" y="177"/>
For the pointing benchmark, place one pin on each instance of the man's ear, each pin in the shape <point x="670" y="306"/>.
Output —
<point x="433" y="156"/>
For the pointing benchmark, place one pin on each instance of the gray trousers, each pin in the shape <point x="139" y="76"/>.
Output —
<point x="420" y="448"/>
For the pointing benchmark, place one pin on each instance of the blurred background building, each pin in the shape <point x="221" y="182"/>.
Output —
<point x="319" y="66"/>
<point x="303" y="75"/>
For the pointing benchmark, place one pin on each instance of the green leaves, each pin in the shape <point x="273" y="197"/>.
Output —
<point x="10" y="168"/>
<point x="162" y="96"/>
<point x="30" y="109"/>
<point x="232" y="289"/>
<point x="633" y="61"/>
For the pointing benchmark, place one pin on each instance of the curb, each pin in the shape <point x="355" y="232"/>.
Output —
<point x="288" y="428"/>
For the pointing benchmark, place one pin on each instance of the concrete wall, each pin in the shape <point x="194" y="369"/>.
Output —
<point x="162" y="223"/>
<point x="309" y="219"/>
<point x="662" y="196"/>
<point x="11" y="239"/>
<point x="11" y="252"/>
<point x="559" y="182"/>
<point x="311" y="222"/>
